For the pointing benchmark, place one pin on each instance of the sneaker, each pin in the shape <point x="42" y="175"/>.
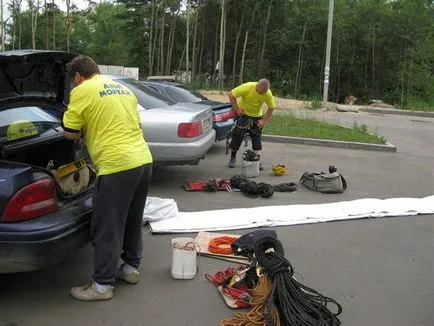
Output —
<point x="90" y="293"/>
<point x="132" y="278"/>
<point x="232" y="162"/>
<point x="261" y="168"/>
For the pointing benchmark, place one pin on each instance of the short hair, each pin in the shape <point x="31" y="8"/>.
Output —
<point x="264" y="82"/>
<point x="82" y="64"/>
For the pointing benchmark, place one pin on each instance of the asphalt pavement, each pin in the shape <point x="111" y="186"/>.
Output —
<point x="381" y="270"/>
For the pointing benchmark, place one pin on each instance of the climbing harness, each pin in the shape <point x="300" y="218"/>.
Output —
<point x="249" y="127"/>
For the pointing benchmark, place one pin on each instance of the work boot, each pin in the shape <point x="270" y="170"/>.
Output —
<point x="89" y="292"/>
<point x="132" y="278"/>
<point x="232" y="162"/>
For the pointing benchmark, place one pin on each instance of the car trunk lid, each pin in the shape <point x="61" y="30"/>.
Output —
<point x="161" y="124"/>
<point x="34" y="74"/>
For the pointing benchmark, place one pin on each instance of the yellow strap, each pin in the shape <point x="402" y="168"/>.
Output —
<point x="71" y="168"/>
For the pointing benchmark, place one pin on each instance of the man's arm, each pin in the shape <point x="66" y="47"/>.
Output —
<point x="267" y="116"/>
<point x="72" y="120"/>
<point x="72" y="135"/>
<point x="270" y="108"/>
<point x="234" y="104"/>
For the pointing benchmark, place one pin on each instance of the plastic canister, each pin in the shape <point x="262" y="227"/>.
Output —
<point x="250" y="169"/>
<point x="184" y="257"/>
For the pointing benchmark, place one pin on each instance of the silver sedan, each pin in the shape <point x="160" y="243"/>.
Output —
<point x="177" y="134"/>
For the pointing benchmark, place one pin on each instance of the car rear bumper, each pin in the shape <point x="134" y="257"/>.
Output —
<point x="222" y="129"/>
<point x="40" y="243"/>
<point x="181" y="153"/>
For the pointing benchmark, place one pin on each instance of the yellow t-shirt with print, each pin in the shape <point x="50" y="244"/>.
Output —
<point x="107" y="113"/>
<point x="251" y="101"/>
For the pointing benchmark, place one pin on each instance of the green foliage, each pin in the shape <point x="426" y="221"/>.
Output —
<point x="381" y="49"/>
<point x="290" y="125"/>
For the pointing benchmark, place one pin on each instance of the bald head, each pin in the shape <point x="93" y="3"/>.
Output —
<point x="262" y="86"/>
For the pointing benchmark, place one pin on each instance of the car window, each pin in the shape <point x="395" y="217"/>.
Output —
<point x="182" y="94"/>
<point x="154" y="89"/>
<point x="147" y="98"/>
<point x="24" y="122"/>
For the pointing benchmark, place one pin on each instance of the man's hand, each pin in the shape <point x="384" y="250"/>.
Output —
<point x="260" y="123"/>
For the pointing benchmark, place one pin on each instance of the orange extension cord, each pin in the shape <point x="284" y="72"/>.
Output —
<point x="215" y="245"/>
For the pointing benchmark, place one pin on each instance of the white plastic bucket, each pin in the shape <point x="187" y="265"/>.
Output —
<point x="183" y="259"/>
<point x="250" y="169"/>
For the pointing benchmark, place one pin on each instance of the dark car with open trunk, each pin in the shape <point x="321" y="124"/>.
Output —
<point x="46" y="180"/>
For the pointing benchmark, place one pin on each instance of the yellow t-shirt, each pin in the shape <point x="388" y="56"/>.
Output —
<point x="107" y="113"/>
<point x="251" y="101"/>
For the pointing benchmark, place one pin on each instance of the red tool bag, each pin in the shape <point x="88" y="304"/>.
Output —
<point x="210" y="185"/>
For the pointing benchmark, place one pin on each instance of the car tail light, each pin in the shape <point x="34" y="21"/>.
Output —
<point x="32" y="201"/>
<point x="189" y="130"/>
<point x="224" y="116"/>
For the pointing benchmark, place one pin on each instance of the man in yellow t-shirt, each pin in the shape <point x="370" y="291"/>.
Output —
<point x="247" y="100"/>
<point x="105" y="113"/>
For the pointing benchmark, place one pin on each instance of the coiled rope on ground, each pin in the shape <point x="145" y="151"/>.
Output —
<point x="252" y="189"/>
<point x="298" y="305"/>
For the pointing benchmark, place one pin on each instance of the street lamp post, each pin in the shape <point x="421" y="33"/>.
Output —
<point x="329" y="43"/>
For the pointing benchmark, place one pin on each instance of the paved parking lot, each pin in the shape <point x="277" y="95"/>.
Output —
<point x="380" y="270"/>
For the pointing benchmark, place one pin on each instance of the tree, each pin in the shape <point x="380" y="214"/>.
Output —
<point x="380" y="48"/>
<point x="222" y="43"/>
<point x="69" y="7"/>
<point x="34" y="12"/>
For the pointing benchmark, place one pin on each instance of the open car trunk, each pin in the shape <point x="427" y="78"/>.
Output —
<point x="63" y="160"/>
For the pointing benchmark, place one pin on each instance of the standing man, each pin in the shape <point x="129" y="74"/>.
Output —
<point x="106" y="113"/>
<point x="249" y="111"/>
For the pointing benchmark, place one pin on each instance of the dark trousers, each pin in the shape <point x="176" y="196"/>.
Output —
<point x="116" y="227"/>
<point x="245" y="124"/>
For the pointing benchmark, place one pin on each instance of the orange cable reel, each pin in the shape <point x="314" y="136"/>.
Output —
<point x="221" y="245"/>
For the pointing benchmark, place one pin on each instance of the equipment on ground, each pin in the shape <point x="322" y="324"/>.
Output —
<point x="329" y="183"/>
<point x="279" y="169"/>
<point x="277" y="297"/>
<point x="210" y="185"/>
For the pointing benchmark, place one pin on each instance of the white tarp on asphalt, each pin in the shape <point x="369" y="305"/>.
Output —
<point x="243" y="218"/>
<point x="157" y="209"/>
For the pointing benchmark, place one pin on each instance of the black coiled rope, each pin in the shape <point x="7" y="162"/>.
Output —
<point x="252" y="189"/>
<point x="298" y="305"/>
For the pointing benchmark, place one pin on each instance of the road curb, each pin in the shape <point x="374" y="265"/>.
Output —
<point x="397" y="112"/>
<point x="330" y="143"/>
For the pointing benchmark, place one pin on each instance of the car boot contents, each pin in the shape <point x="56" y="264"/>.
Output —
<point x="75" y="177"/>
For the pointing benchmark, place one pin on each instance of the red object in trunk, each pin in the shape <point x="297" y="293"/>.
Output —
<point x="34" y="200"/>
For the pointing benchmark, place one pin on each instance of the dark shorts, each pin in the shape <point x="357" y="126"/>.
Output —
<point x="243" y="125"/>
